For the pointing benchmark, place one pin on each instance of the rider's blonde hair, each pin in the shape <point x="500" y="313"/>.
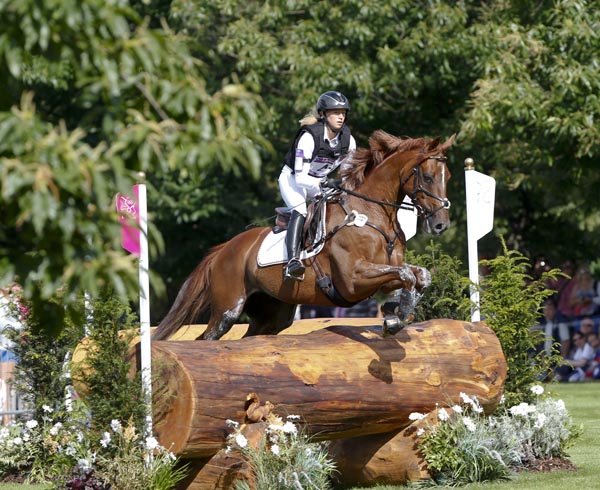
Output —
<point x="311" y="118"/>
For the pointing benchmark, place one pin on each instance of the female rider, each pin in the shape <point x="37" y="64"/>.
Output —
<point x="321" y="143"/>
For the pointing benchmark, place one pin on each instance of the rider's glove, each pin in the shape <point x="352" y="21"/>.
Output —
<point x="332" y="183"/>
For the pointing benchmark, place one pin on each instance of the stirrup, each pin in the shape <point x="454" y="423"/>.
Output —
<point x="294" y="270"/>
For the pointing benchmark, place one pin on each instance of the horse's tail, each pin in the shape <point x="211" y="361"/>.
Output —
<point x="192" y="299"/>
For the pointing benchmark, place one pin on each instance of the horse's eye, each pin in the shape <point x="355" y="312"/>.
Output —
<point x="428" y="178"/>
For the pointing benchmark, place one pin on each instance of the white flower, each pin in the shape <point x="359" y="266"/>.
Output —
<point x="55" y="429"/>
<point x="84" y="463"/>
<point x="457" y="408"/>
<point x="26" y="437"/>
<point x="241" y="440"/>
<point x="465" y="398"/>
<point x="540" y="420"/>
<point x="560" y="405"/>
<point x="477" y="408"/>
<point x="47" y="409"/>
<point x="416" y="416"/>
<point x="151" y="443"/>
<point x="522" y="409"/>
<point x="4" y="433"/>
<point x="70" y="451"/>
<point x="115" y="425"/>
<point x="469" y="424"/>
<point x="443" y="414"/>
<point x="537" y="389"/>
<point x="17" y="441"/>
<point x="232" y="423"/>
<point x="420" y="431"/>
<point x="289" y="428"/>
<point x="105" y="441"/>
<point x="31" y="424"/>
<point x="275" y="449"/>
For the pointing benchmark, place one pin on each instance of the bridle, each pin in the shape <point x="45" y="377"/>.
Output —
<point x="418" y="188"/>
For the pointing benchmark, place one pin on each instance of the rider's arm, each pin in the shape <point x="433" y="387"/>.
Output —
<point x="306" y="143"/>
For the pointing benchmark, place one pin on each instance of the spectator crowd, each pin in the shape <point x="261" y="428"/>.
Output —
<point x="570" y="321"/>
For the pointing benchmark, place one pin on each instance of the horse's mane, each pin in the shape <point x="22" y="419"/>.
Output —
<point x="382" y="145"/>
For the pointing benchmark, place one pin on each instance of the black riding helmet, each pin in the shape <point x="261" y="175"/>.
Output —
<point x="332" y="100"/>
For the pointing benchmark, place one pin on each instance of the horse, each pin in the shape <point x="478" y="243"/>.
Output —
<point x="357" y="260"/>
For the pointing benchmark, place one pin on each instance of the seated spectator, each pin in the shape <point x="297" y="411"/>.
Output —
<point x="584" y="297"/>
<point x="573" y="369"/>
<point x="593" y="370"/>
<point x="586" y="327"/>
<point x="556" y="332"/>
<point x="559" y="284"/>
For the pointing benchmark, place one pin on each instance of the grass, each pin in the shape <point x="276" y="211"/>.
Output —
<point x="583" y="403"/>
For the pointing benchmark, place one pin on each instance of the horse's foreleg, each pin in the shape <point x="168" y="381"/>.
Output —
<point x="407" y="283"/>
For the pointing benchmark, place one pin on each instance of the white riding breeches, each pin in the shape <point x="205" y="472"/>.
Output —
<point x="295" y="192"/>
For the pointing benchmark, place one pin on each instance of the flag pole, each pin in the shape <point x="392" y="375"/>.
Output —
<point x="472" y="247"/>
<point x="144" y="280"/>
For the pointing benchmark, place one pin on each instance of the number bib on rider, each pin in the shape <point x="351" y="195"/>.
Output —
<point x="321" y="167"/>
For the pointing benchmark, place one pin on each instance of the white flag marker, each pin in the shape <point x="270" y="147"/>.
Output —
<point x="480" y="192"/>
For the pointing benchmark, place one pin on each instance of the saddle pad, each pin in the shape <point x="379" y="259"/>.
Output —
<point x="272" y="250"/>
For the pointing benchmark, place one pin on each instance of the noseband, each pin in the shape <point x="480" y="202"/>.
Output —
<point x="418" y="188"/>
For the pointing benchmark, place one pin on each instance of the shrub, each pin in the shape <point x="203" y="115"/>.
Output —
<point x="41" y="374"/>
<point x="285" y="458"/>
<point x="113" y="392"/>
<point x="80" y="443"/>
<point x="511" y="305"/>
<point x="447" y="296"/>
<point x="464" y="446"/>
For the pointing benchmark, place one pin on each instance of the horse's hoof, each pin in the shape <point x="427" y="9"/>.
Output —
<point x="391" y="326"/>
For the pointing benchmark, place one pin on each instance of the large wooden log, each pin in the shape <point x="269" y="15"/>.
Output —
<point x="344" y="381"/>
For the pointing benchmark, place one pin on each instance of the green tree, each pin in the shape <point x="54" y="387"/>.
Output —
<point x="94" y="93"/>
<point x="517" y="80"/>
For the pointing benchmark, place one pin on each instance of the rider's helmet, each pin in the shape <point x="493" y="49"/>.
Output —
<point x="332" y="100"/>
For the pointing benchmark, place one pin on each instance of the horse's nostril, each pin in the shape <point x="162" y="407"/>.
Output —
<point x="440" y="227"/>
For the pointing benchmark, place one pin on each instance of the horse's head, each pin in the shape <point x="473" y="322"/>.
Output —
<point x="395" y="167"/>
<point x="426" y="185"/>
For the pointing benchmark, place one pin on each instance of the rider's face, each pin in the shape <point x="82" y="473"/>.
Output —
<point x="336" y="118"/>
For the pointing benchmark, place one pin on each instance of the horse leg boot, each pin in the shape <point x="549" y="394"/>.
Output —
<point x="294" y="268"/>
<point x="399" y="310"/>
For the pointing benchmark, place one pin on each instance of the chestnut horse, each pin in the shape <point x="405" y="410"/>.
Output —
<point x="355" y="262"/>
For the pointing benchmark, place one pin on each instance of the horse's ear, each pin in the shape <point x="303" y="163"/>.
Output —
<point x="448" y="143"/>
<point x="432" y="145"/>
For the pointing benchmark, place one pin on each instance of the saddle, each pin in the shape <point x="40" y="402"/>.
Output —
<point x="314" y="225"/>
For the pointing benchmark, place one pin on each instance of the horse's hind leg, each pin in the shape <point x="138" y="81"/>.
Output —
<point x="268" y="315"/>
<point x="222" y="318"/>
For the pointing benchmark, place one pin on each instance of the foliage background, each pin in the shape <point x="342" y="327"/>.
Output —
<point x="204" y="96"/>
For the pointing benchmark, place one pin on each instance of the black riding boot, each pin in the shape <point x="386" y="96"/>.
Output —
<point x="294" y="268"/>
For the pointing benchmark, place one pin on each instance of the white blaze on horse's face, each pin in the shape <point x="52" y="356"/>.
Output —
<point x="431" y="186"/>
